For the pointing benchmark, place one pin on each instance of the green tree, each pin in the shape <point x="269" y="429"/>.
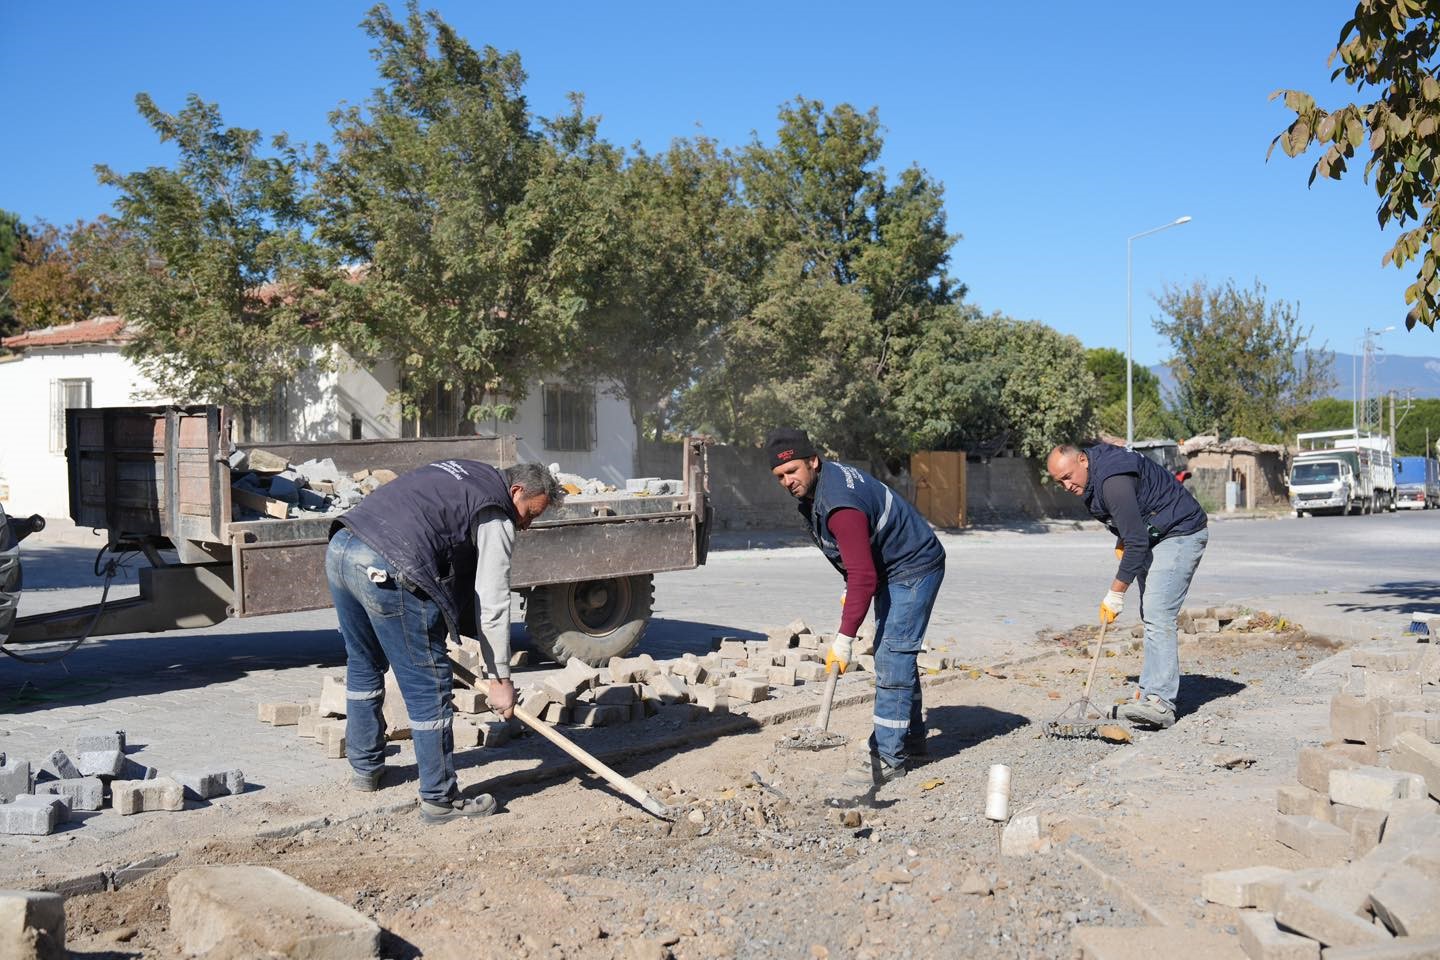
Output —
<point x="974" y="380"/>
<point x="211" y="260"/>
<point x="1390" y="47"/>
<point x="1107" y="366"/>
<point x="1417" y="421"/>
<point x="1241" y="363"/>
<point x="57" y="278"/>
<point x="444" y="196"/>
<point x="12" y="234"/>
<point x="848" y="267"/>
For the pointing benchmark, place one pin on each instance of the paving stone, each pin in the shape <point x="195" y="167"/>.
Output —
<point x="781" y="677"/>
<point x="1146" y="943"/>
<point x="144" y="796"/>
<point x="330" y="734"/>
<point x="1023" y="835"/>
<point x="308" y="722"/>
<point x="1366" y="830"/>
<point x="215" y="906"/>
<point x="1205" y="625"/>
<point x="1406" y="816"/>
<point x="100" y="763"/>
<point x="1418" y="948"/>
<point x="1314" y="764"/>
<point x="1347" y="888"/>
<point x="533" y="700"/>
<point x="810" y="672"/>
<point x="1294" y="799"/>
<point x="464" y="734"/>
<point x="1348" y="718"/>
<point x="15" y="779"/>
<point x="1261" y="939"/>
<point x="32" y="925"/>
<point x="96" y="740"/>
<point x="747" y="689"/>
<point x="712" y="699"/>
<point x="1423" y="856"/>
<point x="555" y="713"/>
<point x="667" y="689"/>
<point x="1408" y="902"/>
<point x="1416" y="755"/>
<point x="932" y="662"/>
<point x="691" y="670"/>
<point x="470" y="701"/>
<point x="81" y="793"/>
<point x="280" y="714"/>
<point x="619" y="695"/>
<point x="566" y="684"/>
<point x="33" y="816"/>
<point x="1236" y="888"/>
<point x="333" y="702"/>
<point x="60" y="766"/>
<point x="1267" y="893"/>
<point x="1374" y="788"/>
<point x="392" y="710"/>
<point x="1306" y="914"/>
<point x="1414" y="721"/>
<point x="494" y="733"/>
<point x="213" y="783"/>
<point x="1404" y="683"/>
<point x="1312" y="838"/>
<point x="135" y="770"/>
<point x="780" y="639"/>
<point x="595" y="715"/>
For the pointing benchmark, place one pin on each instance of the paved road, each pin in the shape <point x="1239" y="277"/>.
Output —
<point x="190" y="697"/>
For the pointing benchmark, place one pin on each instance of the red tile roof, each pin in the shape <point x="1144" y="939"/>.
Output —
<point x="98" y="330"/>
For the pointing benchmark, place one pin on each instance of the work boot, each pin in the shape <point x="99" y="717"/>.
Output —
<point x="367" y="782"/>
<point x="481" y="806"/>
<point x="916" y="746"/>
<point x="1148" y="712"/>
<point x="871" y="771"/>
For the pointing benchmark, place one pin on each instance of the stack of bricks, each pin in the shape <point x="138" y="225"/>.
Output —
<point x="1366" y="811"/>
<point x="36" y="802"/>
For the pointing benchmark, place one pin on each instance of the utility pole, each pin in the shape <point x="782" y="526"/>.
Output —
<point x="1392" y="423"/>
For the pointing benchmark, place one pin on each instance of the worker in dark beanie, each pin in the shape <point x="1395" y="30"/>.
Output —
<point x="887" y="553"/>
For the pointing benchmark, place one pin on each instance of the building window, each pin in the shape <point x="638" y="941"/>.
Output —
<point x="65" y="395"/>
<point x="569" y="417"/>
<point x="357" y="427"/>
<point x="267" y="422"/>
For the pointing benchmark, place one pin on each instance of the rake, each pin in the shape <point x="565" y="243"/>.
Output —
<point x="1081" y="720"/>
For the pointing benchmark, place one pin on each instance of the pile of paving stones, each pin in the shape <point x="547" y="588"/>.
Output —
<point x="264" y="485"/>
<point x="735" y="673"/>
<point x="35" y="800"/>
<point x="1365" y="804"/>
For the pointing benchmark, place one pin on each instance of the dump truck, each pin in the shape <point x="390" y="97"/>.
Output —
<point x="158" y="481"/>
<point x="1342" y="472"/>
<point x="1417" y="483"/>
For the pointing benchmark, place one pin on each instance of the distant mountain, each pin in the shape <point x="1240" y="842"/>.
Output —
<point x="1394" y="372"/>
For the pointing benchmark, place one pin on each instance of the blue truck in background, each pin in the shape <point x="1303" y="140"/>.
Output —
<point x="1417" y="483"/>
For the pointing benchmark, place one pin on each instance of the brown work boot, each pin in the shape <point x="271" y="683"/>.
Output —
<point x="480" y="806"/>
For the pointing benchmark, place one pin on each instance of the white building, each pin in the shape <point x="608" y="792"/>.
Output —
<point x="579" y="426"/>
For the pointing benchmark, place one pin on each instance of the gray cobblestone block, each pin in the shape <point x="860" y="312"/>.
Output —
<point x="144" y="796"/>
<point x="781" y="676"/>
<point x="464" y="734"/>
<point x="32" y="816"/>
<point x="1306" y="914"/>
<point x="810" y="672"/>
<point x="59" y="765"/>
<point x="101" y="763"/>
<point x="1236" y="888"/>
<point x="1416" y="755"/>
<point x="97" y="740"/>
<point x="84" y="793"/>
<point x="32" y="924"/>
<point x="470" y="701"/>
<point x="493" y="733"/>
<point x="330" y="734"/>
<point x="1404" y="900"/>
<point x="16" y="778"/>
<point x="1404" y="683"/>
<point x="1312" y="838"/>
<point x="135" y="770"/>
<point x="213" y="783"/>
<point x="280" y="714"/>
<point x="1261" y="939"/>
<point x="332" y="697"/>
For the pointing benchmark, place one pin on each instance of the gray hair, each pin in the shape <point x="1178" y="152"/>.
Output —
<point x="535" y="479"/>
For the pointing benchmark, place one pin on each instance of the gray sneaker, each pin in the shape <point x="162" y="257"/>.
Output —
<point x="479" y="806"/>
<point x="367" y="782"/>
<point x="1148" y="712"/>
<point x="872" y="771"/>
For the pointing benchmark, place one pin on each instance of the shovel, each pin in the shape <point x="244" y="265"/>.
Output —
<point x="651" y="805"/>
<point x="1080" y="720"/>
<point x="819" y="736"/>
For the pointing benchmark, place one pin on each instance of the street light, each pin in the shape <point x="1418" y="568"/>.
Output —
<point x="1130" y="328"/>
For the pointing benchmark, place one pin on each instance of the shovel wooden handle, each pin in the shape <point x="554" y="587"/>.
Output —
<point x="615" y="780"/>
<point x="833" y="678"/>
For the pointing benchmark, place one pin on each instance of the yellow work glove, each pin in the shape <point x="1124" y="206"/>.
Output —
<point x="839" y="652"/>
<point x="1111" y="606"/>
<point x="1119" y="553"/>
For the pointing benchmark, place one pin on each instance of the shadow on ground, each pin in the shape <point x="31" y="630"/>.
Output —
<point x="1397" y="596"/>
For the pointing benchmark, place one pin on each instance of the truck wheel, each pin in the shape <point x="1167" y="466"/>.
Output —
<point x="592" y="620"/>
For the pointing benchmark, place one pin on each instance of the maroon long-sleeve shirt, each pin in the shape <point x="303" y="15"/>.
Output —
<point x="852" y="535"/>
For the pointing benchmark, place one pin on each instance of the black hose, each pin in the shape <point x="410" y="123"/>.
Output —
<point x="112" y="569"/>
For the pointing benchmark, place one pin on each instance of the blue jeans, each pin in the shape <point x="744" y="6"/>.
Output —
<point x="387" y="626"/>
<point x="1163" y="584"/>
<point x="902" y="612"/>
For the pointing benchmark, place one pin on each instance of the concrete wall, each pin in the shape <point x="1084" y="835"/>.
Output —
<point x="1262" y="479"/>
<point x="33" y="473"/>
<point x="746" y="497"/>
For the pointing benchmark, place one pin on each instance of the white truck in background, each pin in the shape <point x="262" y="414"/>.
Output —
<point x="1341" y="472"/>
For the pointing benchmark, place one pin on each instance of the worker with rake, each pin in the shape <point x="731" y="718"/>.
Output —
<point x="886" y="552"/>
<point x="405" y="567"/>
<point x="1161" y="531"/>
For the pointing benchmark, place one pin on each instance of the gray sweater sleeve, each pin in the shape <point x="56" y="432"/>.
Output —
<point x="495" y="540"/>
<point x="1124" y="505"/>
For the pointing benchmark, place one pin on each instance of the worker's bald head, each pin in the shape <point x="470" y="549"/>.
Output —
<point x="1069" y="466"/>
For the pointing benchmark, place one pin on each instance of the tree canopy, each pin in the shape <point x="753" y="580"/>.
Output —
<point x="1390" y="47"/>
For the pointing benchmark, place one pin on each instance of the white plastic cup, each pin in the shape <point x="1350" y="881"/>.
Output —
<point x="997" y="793"/>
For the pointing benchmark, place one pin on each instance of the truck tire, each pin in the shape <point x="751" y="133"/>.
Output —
<point x="592" y="620"/>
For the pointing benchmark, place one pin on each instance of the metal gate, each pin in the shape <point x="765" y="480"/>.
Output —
<point x="939" y="477"/>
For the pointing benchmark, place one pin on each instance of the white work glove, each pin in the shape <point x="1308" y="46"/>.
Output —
<point x="840" y="652"/>
<point x="1111" y="606"/>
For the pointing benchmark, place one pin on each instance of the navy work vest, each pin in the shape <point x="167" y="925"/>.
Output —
<point x="423" y="522"/>
<point x="1169" y="510"/>
<point x="903" y="544"/>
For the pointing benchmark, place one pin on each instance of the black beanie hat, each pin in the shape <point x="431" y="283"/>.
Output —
<point x="788" y="444"/>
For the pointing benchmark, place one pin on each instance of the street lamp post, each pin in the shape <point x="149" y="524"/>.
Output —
<point x="1130" y="327"/>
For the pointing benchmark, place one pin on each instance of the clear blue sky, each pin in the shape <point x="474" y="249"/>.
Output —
<point x="1058" y="129"/>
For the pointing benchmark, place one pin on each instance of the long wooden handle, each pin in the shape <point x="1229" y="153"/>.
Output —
<point x="1099" y="645"/>
<point x="595" y="766"/>
<point x="834" y="677"/>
